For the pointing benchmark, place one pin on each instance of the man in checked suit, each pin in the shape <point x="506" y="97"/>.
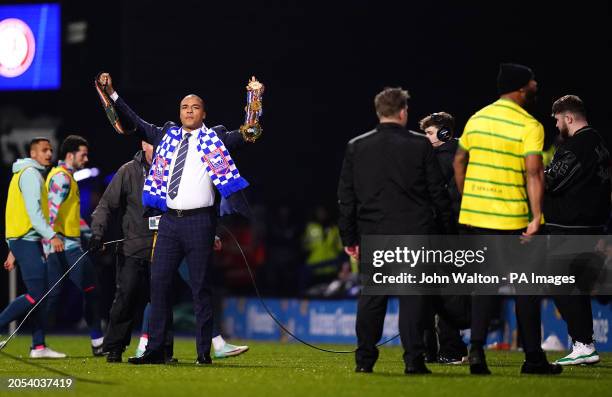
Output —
<point x="199" y="157"/>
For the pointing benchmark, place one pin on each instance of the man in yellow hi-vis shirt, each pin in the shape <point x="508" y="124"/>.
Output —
<point x="26" y="225"/>
<point x="499" y="171"/>
<point x="64" y="205"/>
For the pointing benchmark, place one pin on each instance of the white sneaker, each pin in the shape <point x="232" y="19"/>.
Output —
<point x="581" y="354"/>
<point x="552" y="344"/>
<point x="45" y="353"/>
<point x="142" y="346"/>
<point x="229" y="350"/>
<point x="2" y="343"/>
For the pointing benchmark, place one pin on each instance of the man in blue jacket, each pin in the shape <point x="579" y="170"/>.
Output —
<point x="124" y="196"/>
<point x="191" y="167"/>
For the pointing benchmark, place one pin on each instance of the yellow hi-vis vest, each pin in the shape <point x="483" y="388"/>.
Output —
<point x="323" y="244"/>
<point x="18" y="222"/>
<point x="68" y="221"/>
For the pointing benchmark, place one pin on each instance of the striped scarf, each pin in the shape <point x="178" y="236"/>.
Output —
<point x="215" y="157"/>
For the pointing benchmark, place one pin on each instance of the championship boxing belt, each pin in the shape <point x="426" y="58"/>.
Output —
<point x="251" y="129"/>
<point x="109" y="107"/>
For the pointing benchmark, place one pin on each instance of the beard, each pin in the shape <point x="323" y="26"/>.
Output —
<point x="564" y="131"/>
<point x="78" y="166"/>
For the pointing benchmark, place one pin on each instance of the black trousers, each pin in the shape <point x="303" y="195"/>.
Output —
<point x="131" y="295"/>
<point x="528" y="310"/>
<point x="371" y="312"/>
<point x="576" y="310"/>
<point x="528" y="316"/>
<point x="453" y="315"/>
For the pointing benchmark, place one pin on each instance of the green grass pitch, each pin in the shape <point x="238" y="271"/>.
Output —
<point x="287" y="369"/>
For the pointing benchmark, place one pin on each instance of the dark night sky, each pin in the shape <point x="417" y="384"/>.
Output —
<point x="322" y="63"/>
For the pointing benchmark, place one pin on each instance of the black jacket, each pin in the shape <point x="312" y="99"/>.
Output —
<point x="123" y="197"/>
<point x="446" y="155"/>
<point x="578" y="181"/>
<point x="389" y="181"/>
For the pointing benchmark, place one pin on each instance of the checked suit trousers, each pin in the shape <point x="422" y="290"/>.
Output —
<point x="189" y="237"/>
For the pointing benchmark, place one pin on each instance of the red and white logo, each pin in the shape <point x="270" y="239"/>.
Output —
<point x="17" y="47"/>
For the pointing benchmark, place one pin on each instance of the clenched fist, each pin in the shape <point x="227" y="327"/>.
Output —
<point x="106" y="82"/>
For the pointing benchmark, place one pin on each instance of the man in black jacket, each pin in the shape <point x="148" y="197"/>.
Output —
<point x="577" y="201"/>
<point x="452" y="310"/>
<point x="124" y="195"/>
<point x="389" y="180"/>
<point x="439" y="128"/>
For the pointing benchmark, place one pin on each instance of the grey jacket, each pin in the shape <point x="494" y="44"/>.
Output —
<point x="123" y="197"/>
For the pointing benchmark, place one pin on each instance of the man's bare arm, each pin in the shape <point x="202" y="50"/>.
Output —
<point x="460" y="166"/>
<point x="535" y="190"/>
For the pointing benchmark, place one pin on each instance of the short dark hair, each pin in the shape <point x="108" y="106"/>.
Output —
<point x="391" y="101"/>
<point x="72" y="144"/>
<point x="195" y="96"/>
<point x="440" y="120"/>
<point x="569" y="103"/>
<point x="36" y="141"/>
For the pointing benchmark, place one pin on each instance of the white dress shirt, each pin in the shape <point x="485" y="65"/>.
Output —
<point x="196" y="189"/>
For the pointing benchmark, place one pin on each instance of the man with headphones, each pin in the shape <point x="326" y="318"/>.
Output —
<point x="439" y="129"/>
<point x="453" y="311"/>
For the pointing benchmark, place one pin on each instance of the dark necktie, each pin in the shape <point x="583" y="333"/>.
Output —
<point x="179" y="164"/>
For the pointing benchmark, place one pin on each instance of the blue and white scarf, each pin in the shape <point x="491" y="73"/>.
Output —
<point x="215" y="157"/>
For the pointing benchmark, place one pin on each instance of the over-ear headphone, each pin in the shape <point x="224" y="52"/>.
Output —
<point x="445" y="132"/>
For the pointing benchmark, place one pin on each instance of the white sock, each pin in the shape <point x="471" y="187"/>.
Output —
<point x="97" y="342"/>
<point x="218" y="342"/>
<point x="142" y="343"/>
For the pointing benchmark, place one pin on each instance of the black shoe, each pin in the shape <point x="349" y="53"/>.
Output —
<point x="417" y="368"/>
<point x="431" y="358"/>
<point x="541" y="368"/>
<point x="149" y="357"/>
<point x="203" y="360"/>
<point x="97" y="351"/>
<point x="478" y="363"/>
<point x="114" y="356"/>
<point x="365" y="370"/>
<point x="171" y="360"/>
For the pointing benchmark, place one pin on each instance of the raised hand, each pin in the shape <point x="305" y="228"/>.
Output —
<point x="106" y="81"/>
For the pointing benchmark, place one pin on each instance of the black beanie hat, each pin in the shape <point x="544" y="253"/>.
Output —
<point x="512" y="76"/>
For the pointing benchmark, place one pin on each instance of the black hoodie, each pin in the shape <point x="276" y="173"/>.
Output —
<point x="123" y="197"/>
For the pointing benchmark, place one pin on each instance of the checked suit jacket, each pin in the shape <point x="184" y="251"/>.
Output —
<point x="235" y="203"/>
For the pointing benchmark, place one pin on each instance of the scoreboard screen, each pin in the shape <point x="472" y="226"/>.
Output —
<point x="30" y="47"/>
